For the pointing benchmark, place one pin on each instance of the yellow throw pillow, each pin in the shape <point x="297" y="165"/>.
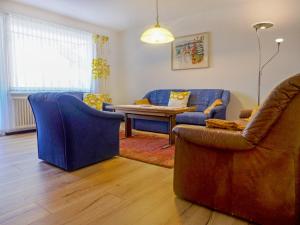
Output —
<point x="217" y="102"/>
<point x="143" y="101"/>
<point x="179" y="99"/>
<point x="96" y="100"/>
<point x="226" y="124"/>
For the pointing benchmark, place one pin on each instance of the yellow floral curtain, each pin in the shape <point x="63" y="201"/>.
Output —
<point x="100" y="64"/>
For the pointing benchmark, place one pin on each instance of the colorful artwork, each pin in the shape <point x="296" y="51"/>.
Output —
<point x="190" y="52"/>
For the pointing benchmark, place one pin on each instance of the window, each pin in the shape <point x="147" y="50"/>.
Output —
<point x="4" y="112"/>
<point x="47" y="56"/>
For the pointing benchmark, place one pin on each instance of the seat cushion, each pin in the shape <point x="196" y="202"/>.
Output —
<point x="191" y="118"/>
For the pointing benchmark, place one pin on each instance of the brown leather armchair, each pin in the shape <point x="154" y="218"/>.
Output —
<point x="253" y="174"/>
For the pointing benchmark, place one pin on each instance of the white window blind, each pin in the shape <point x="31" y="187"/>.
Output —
<point x="48" y="57"/>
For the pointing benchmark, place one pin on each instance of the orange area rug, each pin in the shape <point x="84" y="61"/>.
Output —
<point x="148" y="148"/>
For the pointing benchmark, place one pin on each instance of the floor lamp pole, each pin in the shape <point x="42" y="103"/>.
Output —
<point x="262" y="26"/>
<point x="259" y="67"/>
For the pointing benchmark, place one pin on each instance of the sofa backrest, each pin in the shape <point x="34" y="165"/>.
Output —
<point x="201" y="98"/>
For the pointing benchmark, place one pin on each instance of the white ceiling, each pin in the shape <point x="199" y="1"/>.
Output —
<point x="123" y="14"/>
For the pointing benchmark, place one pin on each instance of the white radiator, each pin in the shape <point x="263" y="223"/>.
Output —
<point x="22" y="113"/>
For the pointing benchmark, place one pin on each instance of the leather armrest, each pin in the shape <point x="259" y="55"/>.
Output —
<point x="245" y="113"/>
<point x="216" y="138"/>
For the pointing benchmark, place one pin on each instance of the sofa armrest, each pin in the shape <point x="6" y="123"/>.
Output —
<point x="215" y="138"/>
<point x="218" y="112"/>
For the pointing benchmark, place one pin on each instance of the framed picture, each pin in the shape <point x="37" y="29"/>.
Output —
<point x="190" y="52"/>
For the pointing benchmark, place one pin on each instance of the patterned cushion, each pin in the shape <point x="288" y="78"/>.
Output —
<point x="179" y="99"/>
<point x="96" y="100"/>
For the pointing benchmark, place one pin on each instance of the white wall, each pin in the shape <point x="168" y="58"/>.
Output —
<point x="233" y="53"/>
<point x="8" y="6"/>
<point x="138" y="68"/>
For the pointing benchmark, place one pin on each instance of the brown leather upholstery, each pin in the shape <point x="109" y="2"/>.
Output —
<point x="215" y="138"/>
<point x="245" y="113"/>
<point x="272" y="109"/>
<point x="254" y="174"/>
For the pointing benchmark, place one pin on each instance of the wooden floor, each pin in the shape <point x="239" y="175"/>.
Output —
<point x="115" y="192"/>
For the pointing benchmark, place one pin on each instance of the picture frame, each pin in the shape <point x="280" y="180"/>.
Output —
<point x="190" y="52"/>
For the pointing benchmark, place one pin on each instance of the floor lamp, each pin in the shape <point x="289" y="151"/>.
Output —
<point x="258" y="27"/>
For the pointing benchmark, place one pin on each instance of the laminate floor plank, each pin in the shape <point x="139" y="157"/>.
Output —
<point x="221" y="219"/>
<point x="193" y="215"/>
<point x="118" y="191"/>
<point x="23" y="215"/>
<point x="58" y="185"/>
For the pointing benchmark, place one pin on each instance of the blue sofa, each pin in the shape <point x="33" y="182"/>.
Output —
<point x="201" y="98"/>
<point x="72" y="135"/>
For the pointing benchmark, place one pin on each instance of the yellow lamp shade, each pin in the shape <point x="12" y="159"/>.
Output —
<point x="157" y="35"/>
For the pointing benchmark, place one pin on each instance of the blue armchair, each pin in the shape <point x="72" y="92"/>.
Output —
<point x="71" y="135"/>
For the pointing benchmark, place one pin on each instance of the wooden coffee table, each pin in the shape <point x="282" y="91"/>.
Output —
<point x="151" y="112"/>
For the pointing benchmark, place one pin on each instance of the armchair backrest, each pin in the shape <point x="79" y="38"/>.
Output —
<point x="50" y="128"/>
<point x="282" y="99"/>
<point x="49" y="123"/>
<point x="201" y="98"/>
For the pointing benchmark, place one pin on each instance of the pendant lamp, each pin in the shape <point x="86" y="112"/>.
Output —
<point x="157" y="34"/>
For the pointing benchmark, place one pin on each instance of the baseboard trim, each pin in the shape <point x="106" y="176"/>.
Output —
<point x="13" y="132"/>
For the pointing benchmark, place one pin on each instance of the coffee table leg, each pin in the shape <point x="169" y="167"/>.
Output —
<point x="172" y="124"/>
<point x="128" y="128"/>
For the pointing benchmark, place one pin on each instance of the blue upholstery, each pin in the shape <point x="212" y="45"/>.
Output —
<point x="201" y="98"/>
<point x="149" y="125"/>
<point x="72" y="135"/>
<point x="197" y="118"/>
